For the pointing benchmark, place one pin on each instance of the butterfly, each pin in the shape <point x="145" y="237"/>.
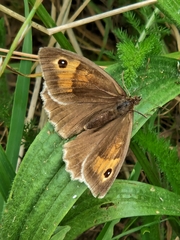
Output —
<point x="82" y="100"/>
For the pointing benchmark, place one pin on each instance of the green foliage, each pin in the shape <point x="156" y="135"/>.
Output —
<point x="45" y="204"/>
<point x="2" y="33"/>
<point x="19" y="106"/>
<point x="7" y="175"/>
<point x="112" y="55"/>
<point x="29" y="133"/>
<point x="49" y="196"/>
<point x="134" y="54"/>
<point x="6" y="102"/>
<point x="5" y="96"/>
<point x="134" y="21"/>
<point x="170" y="10"/>
<point x="166" y="157"/>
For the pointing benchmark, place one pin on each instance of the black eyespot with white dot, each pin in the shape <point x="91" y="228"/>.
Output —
<point x="62" y="63"/>
<point x="108" y="173"/>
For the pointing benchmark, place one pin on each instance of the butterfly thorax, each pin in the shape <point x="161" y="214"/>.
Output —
<point x="121" y="107"/>
<point x="127" y="104"/>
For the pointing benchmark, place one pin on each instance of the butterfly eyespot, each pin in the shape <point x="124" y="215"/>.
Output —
<point x="108" y="173"/>
<point x="62" y="63"/>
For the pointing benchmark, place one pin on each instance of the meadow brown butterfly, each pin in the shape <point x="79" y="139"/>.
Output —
<point x="81" y="99"/>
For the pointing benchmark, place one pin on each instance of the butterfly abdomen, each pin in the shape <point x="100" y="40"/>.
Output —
<point x="101" y="118"/>
<point x="121" y="107"/>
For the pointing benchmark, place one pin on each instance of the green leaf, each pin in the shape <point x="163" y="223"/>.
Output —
<point x="125" y="199"/>
<point x="45" y="188"/>
<point x="108" y="230"/>
<point x="170" y="9"/>
<point x="9" y="160"/>
<point x="143" y="228"/>
<point x="19" y="105"/>
<point x="60" y="233"/>
<point x="49" y="23"/>
<point x="166" y="157"/>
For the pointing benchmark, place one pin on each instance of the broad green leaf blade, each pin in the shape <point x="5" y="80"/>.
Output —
<point x="125" y="199"/>
<point x="45" y="188"/>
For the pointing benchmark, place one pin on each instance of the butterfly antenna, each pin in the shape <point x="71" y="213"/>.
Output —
<point x="140" y="113"/>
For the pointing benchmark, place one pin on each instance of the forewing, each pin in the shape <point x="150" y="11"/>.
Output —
<point x="80" y="81"/>
<point x="72" y="95"/>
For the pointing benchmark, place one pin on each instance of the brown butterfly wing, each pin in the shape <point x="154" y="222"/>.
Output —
<point x="99" y="164"/>
<point x="76" y="92"/>
<point x="69" y="120"/>
<point x="79" y="80"/>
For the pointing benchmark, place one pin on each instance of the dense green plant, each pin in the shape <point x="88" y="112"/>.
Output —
<point x="43" y="203"/>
